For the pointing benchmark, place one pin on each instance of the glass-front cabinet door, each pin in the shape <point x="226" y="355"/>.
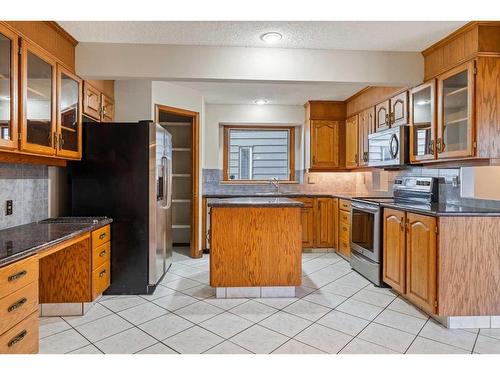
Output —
<point x="69" y="99"/>
<point x="8" y="88"/>
<point x="37" y="104"/>
<point x="455" y="112"/>
<point x="422" y="122"/>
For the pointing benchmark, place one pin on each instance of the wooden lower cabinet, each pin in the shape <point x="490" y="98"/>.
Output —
<point x="394" y="250"/>
<point x="307" y="220"/>
<point x="21" y="338"/>
<point x="344" y="228"/>
<point x="325" y="221"/>
<point x="421" y="261"/>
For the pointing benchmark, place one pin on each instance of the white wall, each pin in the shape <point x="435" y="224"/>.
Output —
<point x="133" y="100"/>
<point x="268" y="114"/>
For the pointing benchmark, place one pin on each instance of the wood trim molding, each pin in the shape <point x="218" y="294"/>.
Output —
<point x="23" y="158"/>
<point x="369" y="97"/>
<point x="225" y="154"/>
<point x="195" y="249"/>
<point x="60" y="30"/>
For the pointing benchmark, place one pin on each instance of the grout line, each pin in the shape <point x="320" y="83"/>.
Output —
<point x="418" y="333"/>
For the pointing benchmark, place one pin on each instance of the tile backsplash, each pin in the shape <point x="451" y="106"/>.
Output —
<point x="27" y="187"/>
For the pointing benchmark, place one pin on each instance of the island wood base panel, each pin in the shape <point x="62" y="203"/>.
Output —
<point x="255" y="246"/>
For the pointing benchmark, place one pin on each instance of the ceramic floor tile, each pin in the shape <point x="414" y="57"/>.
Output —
<point x="302" y="291"/>
<point x="309" y="256"/>
<point x="227" y="347"/>
<point x="198" y="312"/>
<point x="307" y="310"/>
<point x="324" y="298"/>
<point x="201" y="277"/>
<point x="181" y="284"/>
<point x="487" y="345"/>
<point x="142" y="313"/>
<point x="325" y="276"/>
<point x="186" y="271"/>
<point x="315" y="265"/>
<point x="194" y="340"/>
<point x="296" y="347"/>
<point x="323" y="338"/>
<point x="89" y="349"/>
<point x="377" y="299"/>
<point x="400" y="305"/>
<point x="169" y="276"/>
<point x="354" y="280"/>
<point x="119" y="304"/>
<point x="95" y="312"/>
<point x="277" y="303"/>
<point x="62" y="342"/>
<point x="126" y="342"/>
<point x="385" y="336"/>
<point x="259" y="340"/>
<point x="340" y="289"/>
<point x="52" y="325"/>
<point x="103" y="327"/>
<point x="158" y="348"/>
<point x="342" y="322"/>
<point x="401" y="321"/>
<point x="421" y="345"/>
<point x="226" y="324"/>
<point x="285" y="323"/>
<point x="226" y="303"/>
<point x="175" y="301"/>
<point x="160" y="291"/>
<point x="490" y="332"/>
<point x="359" y="309"/>
<point x="358" y="346"/>
<point x="253" y="311"/>
<point x="200" y="291"/>
<point x="456" y="337"/>
<point x="376" y="289"/>
<point x="165" y="326"/>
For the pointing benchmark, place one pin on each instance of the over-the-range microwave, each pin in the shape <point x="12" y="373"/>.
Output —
<point x="389" y="148"/>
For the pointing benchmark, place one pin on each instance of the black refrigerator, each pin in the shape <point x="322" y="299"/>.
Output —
<point x="126" y="174"/>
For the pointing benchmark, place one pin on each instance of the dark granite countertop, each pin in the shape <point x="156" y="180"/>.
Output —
<point x="283" y="195"/>
<point x="442" y="209"/>
<point x="25" y="240"/>
<point x="256" y="202"/>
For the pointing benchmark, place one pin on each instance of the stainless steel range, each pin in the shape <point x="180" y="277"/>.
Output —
<point x="367" y="225"/>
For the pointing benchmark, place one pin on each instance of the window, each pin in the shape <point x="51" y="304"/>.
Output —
<point x="259" y="153"/>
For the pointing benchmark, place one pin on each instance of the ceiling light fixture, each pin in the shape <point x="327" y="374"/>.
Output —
<point x="271" y="37"/>
<point x="261" y="101"/>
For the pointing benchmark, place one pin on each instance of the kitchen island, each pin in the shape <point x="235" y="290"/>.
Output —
<point x="255" y="247"/>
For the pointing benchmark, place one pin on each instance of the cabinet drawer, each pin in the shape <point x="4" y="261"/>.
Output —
<point x="18" y="305"/>
<point x="22" y="338"/>
<point x="345" y="217"/>
<point x="100" y="236"/>
<point x="100" y="255"/>
<point x="308" y="202"/>
<point x="100" y="280"/>
<point x="18" y="275"/>
<point x="344" y="232"/>
<point x="345" y="205"/>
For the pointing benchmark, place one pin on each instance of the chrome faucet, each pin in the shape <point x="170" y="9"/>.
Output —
<point x="276" y="183"/>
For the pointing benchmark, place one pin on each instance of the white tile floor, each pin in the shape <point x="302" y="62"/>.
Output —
<point x="337" y="311"/>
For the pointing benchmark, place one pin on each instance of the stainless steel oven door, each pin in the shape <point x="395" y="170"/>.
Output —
<point x="365" y="230"/>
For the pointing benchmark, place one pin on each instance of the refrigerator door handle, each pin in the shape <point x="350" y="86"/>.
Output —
<point x="168" y="176"/>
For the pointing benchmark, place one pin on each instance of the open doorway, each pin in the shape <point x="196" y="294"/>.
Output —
<point x="183" y="125"/>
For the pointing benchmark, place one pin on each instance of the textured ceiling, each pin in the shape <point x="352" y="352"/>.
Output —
<point x="275" y="93"/>
<point x="344" y="35"/>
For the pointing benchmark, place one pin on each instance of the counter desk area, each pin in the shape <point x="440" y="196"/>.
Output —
<point x="256" y="247"/>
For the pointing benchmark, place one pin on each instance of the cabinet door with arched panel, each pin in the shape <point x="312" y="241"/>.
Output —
<point x="399" y="109"/>
<point x="382" y="112"/>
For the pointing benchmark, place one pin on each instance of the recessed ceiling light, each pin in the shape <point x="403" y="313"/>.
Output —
<point x="261" y="101"/>
<point x="271" y="37"/>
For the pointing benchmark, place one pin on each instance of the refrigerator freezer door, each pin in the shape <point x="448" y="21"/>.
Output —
<point x="168" y="197"/>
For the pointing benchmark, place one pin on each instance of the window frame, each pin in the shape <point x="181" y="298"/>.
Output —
<point x="291" y="151"/>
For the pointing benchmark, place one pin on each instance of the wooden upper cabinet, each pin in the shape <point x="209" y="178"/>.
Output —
<point x="91" y="101"/>
<point x="365" y="128"/>
<point x="107" y="109"/>
<point x="69" y="114"/>
<point x="325" y="144"/>
<point x="382" y="112"/>
<point x="394" y="250"/>
<point x="325" y="219"/>
<point x="8" y="88"/>
<point x="455" y="124"/>
<point x="351" y="158"/>
<point x="423" y="122"/>
<point x="421" y="261"/>
<point x="399" y="109"/>
<point x="37" y="104"/>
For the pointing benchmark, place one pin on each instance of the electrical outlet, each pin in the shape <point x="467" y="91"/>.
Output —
<point x="8" y="207"/>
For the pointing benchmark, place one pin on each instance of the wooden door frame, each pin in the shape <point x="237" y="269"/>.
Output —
<point x="195" y="250"/>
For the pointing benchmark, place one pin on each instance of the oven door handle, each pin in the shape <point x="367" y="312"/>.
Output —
<point x="361" y="258"/>
<point x="365" y="207"/>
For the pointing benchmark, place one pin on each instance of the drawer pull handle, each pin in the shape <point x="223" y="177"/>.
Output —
<point x="102" y="253"/>
<point x="17" y="305"/>
<point x="18" y="338"/>
<point x="102" y="236"/>
<point x="17" y="275"/>
<point x="102" y="273"/>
